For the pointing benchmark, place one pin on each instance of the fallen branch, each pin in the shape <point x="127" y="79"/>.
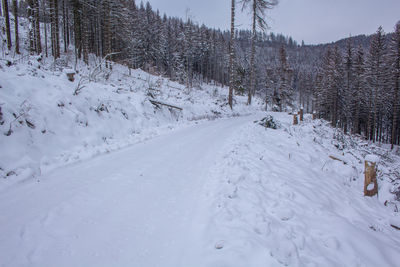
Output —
<point x="156" y="103"/>
<point x="395" y="227"/>
<point x="335" y="158"/>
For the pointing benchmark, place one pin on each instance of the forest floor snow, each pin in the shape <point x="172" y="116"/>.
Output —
<point x="227" y="192"/>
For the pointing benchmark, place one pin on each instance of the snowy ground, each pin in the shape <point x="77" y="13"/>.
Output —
<point x="221" y="193"/>
<point x="278" y="199"/>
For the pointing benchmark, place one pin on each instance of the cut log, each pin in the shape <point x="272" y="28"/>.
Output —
<point x="301" y="114"/>
<point x="295" y="120"/>
<point x="71" y="75"/>
<point x="370" y="178"/>
<point x="156" y="103"/>
<point x="314" y="115"/>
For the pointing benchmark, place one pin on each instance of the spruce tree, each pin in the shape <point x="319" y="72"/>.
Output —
<point x="394" y="53"/>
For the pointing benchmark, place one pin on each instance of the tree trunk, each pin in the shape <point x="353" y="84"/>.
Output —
<point x="65" y="32"/>
<point x="45" y="26"/>
<point x="231" y="55"/>
<point x="15" y="9"/>
<point x="31" y="26"/>
<point x="77" y="29"/>
<point x="253" y="51"/>
<point x="38" y="41"/>
<point x="397" y="86"/>
<point x="7" y="18"/>
<point x="57" y="28"/>
<point x="85" y="35"/>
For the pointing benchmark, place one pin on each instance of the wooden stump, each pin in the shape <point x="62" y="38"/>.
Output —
<point x="370" y="179"/>
<point x="295" y="121"/>
<point x="301" y="114"/>
<point x="314" y="115"/>
<point x="71" y="75"/>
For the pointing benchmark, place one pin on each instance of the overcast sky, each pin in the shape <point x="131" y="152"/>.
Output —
<point x="314" y="21"/>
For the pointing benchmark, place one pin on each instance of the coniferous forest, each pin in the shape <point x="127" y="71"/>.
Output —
<point x="353" y="83"/>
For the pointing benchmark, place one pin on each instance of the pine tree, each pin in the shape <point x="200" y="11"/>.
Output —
<point x="375" y="79"/>
<point x="395" y="64"/>
<point x="359" y="84"/>
<point x="346" y="96"/>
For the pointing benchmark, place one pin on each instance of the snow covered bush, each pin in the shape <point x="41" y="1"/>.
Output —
<point x="268" y="122"/>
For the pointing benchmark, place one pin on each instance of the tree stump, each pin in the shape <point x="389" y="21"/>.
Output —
<point x="70" y="75"/>
<point x="370" y="182"/>
<point x="301" y="114"/>
<point x="314" y="115"/>
<point x="295" y="121"/>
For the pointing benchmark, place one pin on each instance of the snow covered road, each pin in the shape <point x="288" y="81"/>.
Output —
<point x="134" y="207"/>
<point x="224" y="193"/>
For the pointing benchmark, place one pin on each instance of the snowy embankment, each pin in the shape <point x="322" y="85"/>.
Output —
<point x="43" y="125"/>
<point x="278" y="198"/>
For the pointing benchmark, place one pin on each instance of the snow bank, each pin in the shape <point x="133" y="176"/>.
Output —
<point x="279" y="200"/>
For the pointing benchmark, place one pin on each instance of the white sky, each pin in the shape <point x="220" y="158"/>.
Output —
<point x="314" y="21"/>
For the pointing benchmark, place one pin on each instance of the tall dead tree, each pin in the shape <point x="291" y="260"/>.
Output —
<point x="232" y="56"/>
<point x="258" y="8"/>
<point x="7" y="18"/>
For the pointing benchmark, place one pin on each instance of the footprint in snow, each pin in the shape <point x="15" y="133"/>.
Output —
<point x="285" y="214"/>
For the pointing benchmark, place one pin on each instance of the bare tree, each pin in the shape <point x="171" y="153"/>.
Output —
<point x="258" y="8"/>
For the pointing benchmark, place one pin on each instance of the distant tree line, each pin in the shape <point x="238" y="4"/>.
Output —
<point x="357" y="89"/>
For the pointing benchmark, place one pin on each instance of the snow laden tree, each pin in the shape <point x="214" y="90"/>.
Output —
<point x="331" y="86"/>
<point x="376" y="80"/>
<point x="258" y="9"/>
<point x="394" y="74"/>
<point x="358" y="100"/>
<point x="345" y="99"/>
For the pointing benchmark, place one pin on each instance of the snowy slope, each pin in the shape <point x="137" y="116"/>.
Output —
<point x="43" y="125"/>
<point x="279" y="199"/>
